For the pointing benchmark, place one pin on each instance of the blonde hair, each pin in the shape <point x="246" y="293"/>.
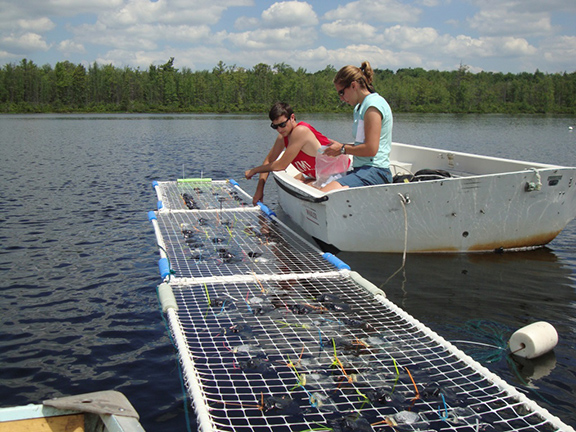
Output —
<point x="363" y="75"/>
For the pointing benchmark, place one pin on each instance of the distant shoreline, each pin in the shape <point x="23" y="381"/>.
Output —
<point x="70" y="88"/>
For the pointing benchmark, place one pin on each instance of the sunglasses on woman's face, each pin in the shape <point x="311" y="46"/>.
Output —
<point x="279" y="125"/>
<point x="342" y="90"/>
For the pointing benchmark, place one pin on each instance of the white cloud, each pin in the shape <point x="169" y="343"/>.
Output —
<point x="37" y="16"/>
<point x="63" y="8"/>
<point x="141" y="59"/>
<point x="289" y="14"/>
<point x="350" y="30"/>
<point x="183" y="33"/>
<point x="500" y="21"/>
<point x="561" y="51"/>
<point x="278" y="39"/>
<point x="70" y="47"/>
<point x="195" y="57"/>
<point x="141" y="36"/>
<point x="466" y="47"/>
<point x="245" y="23"/>
<point x="314" y="55"/>
<point x="375" y="11"/>
<point x="528" y="6"/>
<point x="163" y="11"/>
<point x="39" y="25"/>
<point x="135" y="11"/>
<point x="511" y="47"/>
<point x="136" y="37"/>
<point x="142" y="25"/>
<point x="410" y="37"/>
<point x="356" y="54"/>
<point x="429" y="3"/>
<point x="25" y="43"/>
<point x="507" y="35"/>
<point x="81" y="4"/>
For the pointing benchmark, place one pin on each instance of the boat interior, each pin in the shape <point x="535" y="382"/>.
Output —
<point x="409" y="163"/>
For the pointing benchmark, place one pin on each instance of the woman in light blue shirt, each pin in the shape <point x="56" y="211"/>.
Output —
<point x="372" y="130"/>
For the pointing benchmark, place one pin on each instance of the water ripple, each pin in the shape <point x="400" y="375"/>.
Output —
<point x="78" y="305"/>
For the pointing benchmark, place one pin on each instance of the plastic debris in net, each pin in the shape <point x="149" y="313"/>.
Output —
<point x="279" y="338"/>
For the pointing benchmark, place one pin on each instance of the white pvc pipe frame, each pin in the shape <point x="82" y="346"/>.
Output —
<point x="204" y="419"/>
<point x="205" y="423"/>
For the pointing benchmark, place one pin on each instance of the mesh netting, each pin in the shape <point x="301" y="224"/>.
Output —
<point x="304" y="354"/>
<point x="214" y="243"/>
<point x="202" y="194"/>
<point x="291" y="343"/>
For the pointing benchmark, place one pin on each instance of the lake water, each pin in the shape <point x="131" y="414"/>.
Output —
<point x="78" y="304"/>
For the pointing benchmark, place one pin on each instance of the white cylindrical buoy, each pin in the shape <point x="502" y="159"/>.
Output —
<point x="533" y="340"/>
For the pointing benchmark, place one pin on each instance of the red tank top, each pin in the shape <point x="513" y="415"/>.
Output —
<point x="303" y="162"/>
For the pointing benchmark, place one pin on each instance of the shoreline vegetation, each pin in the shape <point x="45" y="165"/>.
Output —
<point x="72" y="88"/>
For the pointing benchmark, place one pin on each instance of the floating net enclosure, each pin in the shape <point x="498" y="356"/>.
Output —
<point x="274" y="335"/>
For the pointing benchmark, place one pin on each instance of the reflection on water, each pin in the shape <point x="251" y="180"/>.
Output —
<point x="509" y="287"/>
<point x="533" y="370"/>
<point x="78" y="258"/>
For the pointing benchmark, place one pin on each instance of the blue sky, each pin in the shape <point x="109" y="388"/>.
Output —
<point x="491" y="35"/>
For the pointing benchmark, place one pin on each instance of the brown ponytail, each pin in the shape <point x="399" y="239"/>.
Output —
<point x="363" y="75"/>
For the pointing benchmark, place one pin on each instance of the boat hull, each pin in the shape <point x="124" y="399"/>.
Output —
<point x="474" y="213"/>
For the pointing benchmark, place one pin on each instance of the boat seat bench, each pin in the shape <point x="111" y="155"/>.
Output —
<point x="63" y="423"/>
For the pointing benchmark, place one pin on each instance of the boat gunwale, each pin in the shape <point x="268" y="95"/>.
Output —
<point x="478" y="156"/>
<point x="306" y="192"/>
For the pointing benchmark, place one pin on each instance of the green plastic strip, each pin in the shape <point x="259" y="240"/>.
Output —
<point x="194" y="180"/>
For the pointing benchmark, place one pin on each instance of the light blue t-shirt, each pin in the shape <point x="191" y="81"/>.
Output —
<point x="382" y="157"/>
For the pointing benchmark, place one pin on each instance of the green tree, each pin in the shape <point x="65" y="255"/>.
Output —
<point x="79" y="84"/>
<point x="64" y="76"/>
<point x="169" y="87"/>
<point x="460" y="89"/>
<point x="25" y="87"/>
<point x="260" y="87"/>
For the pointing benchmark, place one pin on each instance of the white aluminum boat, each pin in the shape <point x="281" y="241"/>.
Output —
<point x="487" y="204"/>
<point x="106" y="411"/>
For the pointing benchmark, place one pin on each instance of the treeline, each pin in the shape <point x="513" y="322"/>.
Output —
<point x="26" y="87"/>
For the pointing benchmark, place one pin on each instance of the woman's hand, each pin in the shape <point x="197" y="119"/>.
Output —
<point x="248" y="174"/>
<point x="334" y="148"/>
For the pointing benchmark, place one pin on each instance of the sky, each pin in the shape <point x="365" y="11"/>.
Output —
<point x="484" y="35"/>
